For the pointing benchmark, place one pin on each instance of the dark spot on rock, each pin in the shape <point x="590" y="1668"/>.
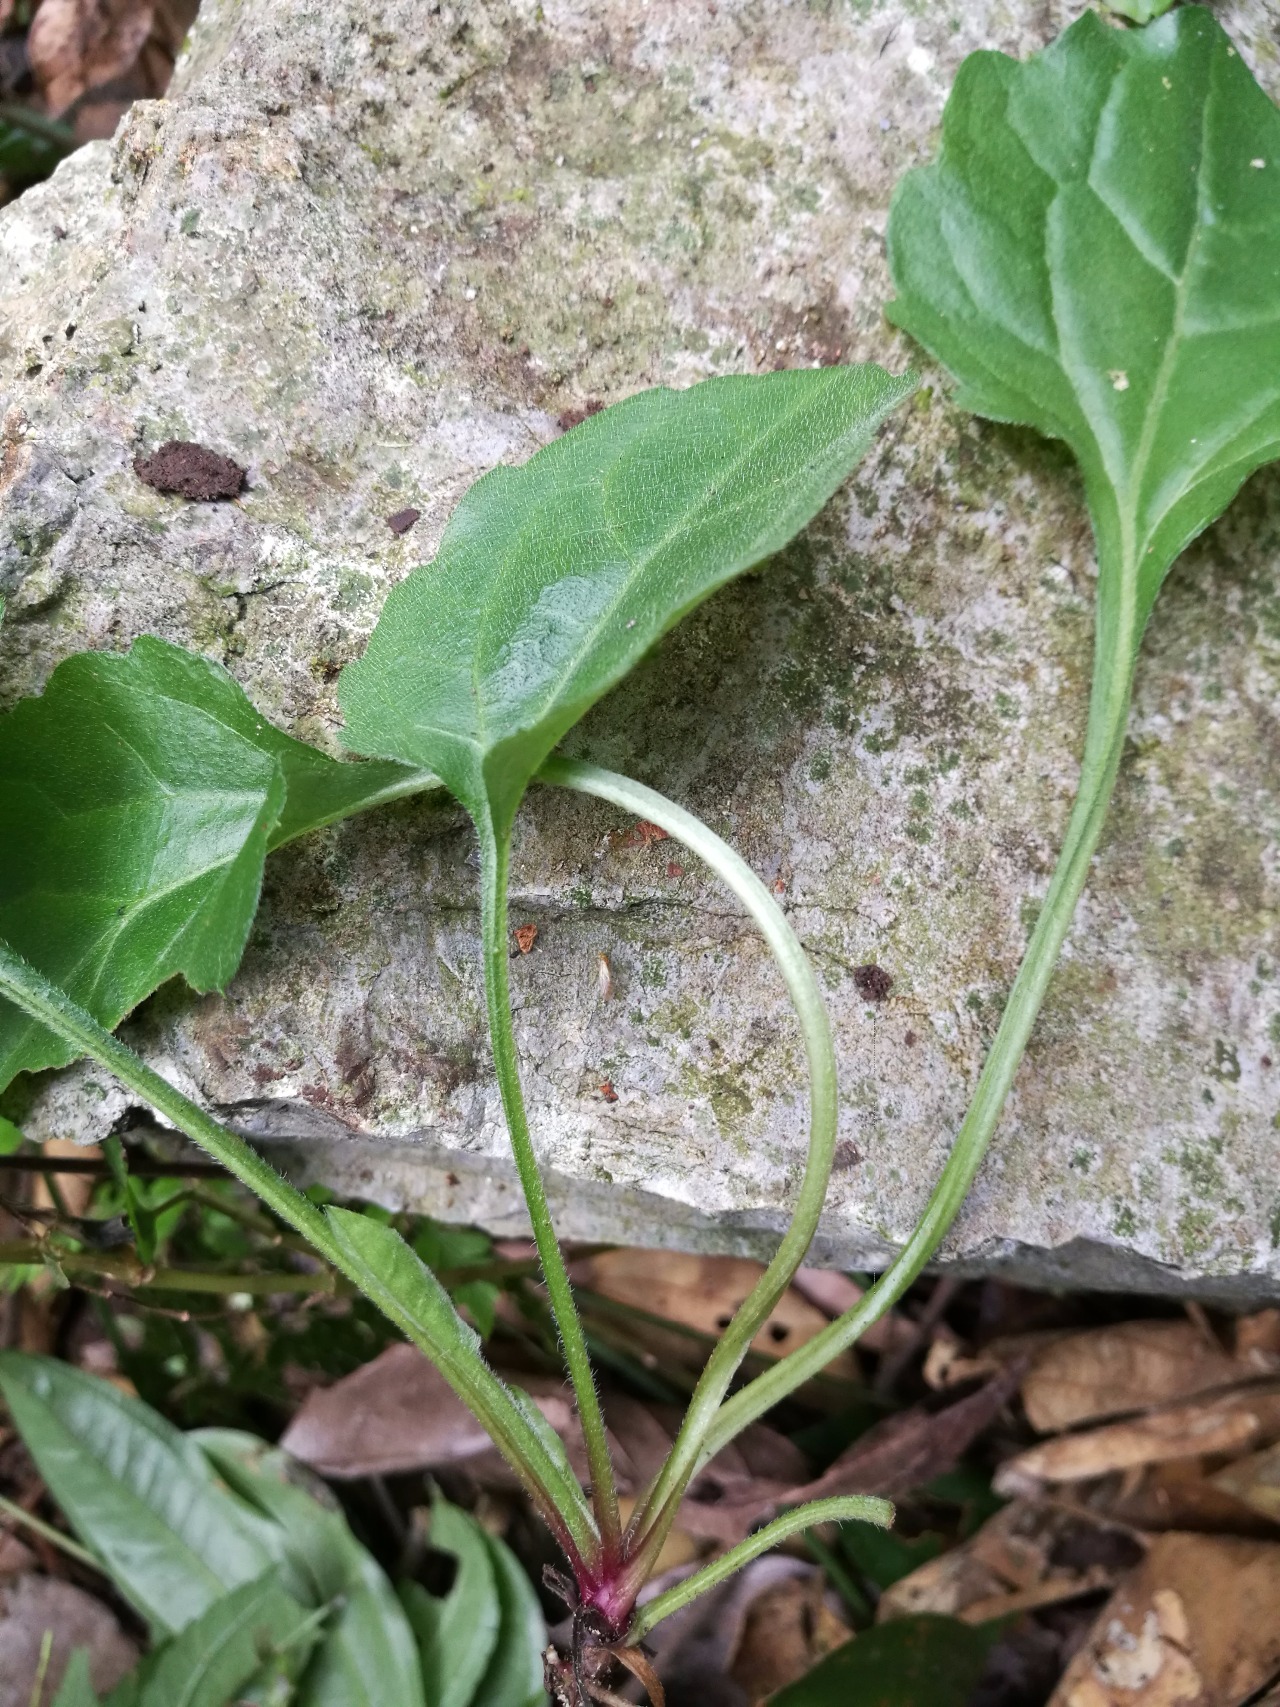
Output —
<point x="910" y="1039"/>
<point x="846" y="1154"/>
<point x="403" y="520"/>
<point x="568" y="418"/>
<point x="191" y="470"/>
<point x="872" y="982"/>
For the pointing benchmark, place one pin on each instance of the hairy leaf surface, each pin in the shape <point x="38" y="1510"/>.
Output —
<point x="139" y="796"/>
<point x="554" y="578"/>
<point x="1096" y="253"/>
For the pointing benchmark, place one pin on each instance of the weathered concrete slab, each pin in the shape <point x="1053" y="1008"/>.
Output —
<point x="372" y="248"/>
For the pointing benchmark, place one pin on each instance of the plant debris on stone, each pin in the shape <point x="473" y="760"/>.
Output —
<point x="191" y="471"/>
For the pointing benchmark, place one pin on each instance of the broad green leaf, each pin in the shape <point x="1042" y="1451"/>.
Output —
<point x="227" y="1647"/>
<point x="553" y="579"/>
<point x="11" y="1139"/>
<point x="139" y="795"/>
<point x="1096" y="253"/>
<point x="514" y="1677"/>
<point x="389" y="1272"/>
<point x="76" y="1688"/>
<point x="138" y="1494"/>
<point x="367" y="1655"/>
<point x="456" y="1632"/>
<point x="922" y="1661"/>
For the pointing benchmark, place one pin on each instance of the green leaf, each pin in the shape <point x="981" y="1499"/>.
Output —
<point x="229" y="1645"/>
<point x="456" y="1632"/>
<point x="390" y="1273"/>
<point x="921" y="1661"/>
<point x="553" y="579"/>
<point x="76" y="1688"/>
<point x="884" y="1557"/>
<point x="139" y="795"/>
<point x="11" y="1139"/>
<point x="137" y="1493"/>
<point x="1096" y="253"/>
<point x="514" y="1676"/>
<point x="367" y="1656"/>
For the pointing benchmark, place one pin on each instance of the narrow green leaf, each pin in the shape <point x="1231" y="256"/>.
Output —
<point x="30" y="147"/>
<point x="367" y="1656"/>
<point x="921" y="1661"/>
<point x="390" y="1273"/>
<point x="1096" y="253"/>
<point x="456" y="1632"/>
<point x="139" y="795"/>
<point x="137" y="1493"/>
<point x="220" y="1652"/>
<point x="76" y="1688"/>
<point x="553" y="579"/>
<point x="514" y="1676"/>
<point x="11" y="1139"/>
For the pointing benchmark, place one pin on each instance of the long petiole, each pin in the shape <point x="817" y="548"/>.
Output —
<point x="850" y="1508"/>
<point x="802" y="986"/>
<point x="1104" y="742"/>
<point x="497" y="984"/>
<point x="477" y="1386"/>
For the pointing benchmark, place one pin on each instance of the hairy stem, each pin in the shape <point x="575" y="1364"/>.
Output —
<point x="476" y="1385"/>
<point x="802" y="986"/>
<point x="859" y="1508"/>
<point x="497" y="984"/>
<point x="1104" y="742"/>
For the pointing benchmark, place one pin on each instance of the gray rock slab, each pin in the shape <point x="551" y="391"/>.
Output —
<point x="371" y="248"/>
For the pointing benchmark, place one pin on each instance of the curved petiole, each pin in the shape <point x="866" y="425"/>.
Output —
<point x="802" y="986"/>
<point x="848" y="1508"/>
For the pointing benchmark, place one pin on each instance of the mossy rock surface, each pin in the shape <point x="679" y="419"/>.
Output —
<point x="369" y="250"/>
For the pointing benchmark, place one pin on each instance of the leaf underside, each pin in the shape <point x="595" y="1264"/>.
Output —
<point x="553" y="579"/>
<point x="1096" y="253"/>
<point x="139" y="796"/>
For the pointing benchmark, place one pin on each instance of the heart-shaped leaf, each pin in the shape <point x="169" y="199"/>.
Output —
<point x="1096" y="253"/>
<point x="139" y="796"/>
<point x="554" y="578"/>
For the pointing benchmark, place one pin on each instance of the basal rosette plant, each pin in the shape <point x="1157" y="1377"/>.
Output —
<point x="1095" y="253"/>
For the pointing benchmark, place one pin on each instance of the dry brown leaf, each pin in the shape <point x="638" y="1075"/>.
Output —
<point x="789" y="1628"/>
<point x="396" y="1413"/>
<point x="1027" y="1555"/>
<point x="1178" y="1494"/>
<point x="1195" y="1625"/>
<point x="32" y="1605"/>
<point x="834" y="1293"/>
<point x="1107" y="1371"/>
<point x="703" y="1293"/>
<point x="1231" y="1423"/>
<point x="75" y="1190"/>
<point x="1257" y="1340"/>
<point x="74" y="45"/>
<point x="1255" y="1481"/>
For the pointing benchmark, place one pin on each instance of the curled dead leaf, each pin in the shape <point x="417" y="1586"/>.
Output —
<point x="1231" y="1423"/>
<point x="1103" y="1373"/>
<point x="76" y="45"/>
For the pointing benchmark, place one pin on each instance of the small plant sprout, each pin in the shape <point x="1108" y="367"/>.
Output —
<point x="1096" y="253"/>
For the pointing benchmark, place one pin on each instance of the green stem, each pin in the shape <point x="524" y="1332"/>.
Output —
<point x="476" y="1384"/>
<point x="1104" y="743"/>
<point x="19" y="1515"/>
<point x="494" y="853"/>
<point x="850" y="1508"/>
<point x="802" y="986"/>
